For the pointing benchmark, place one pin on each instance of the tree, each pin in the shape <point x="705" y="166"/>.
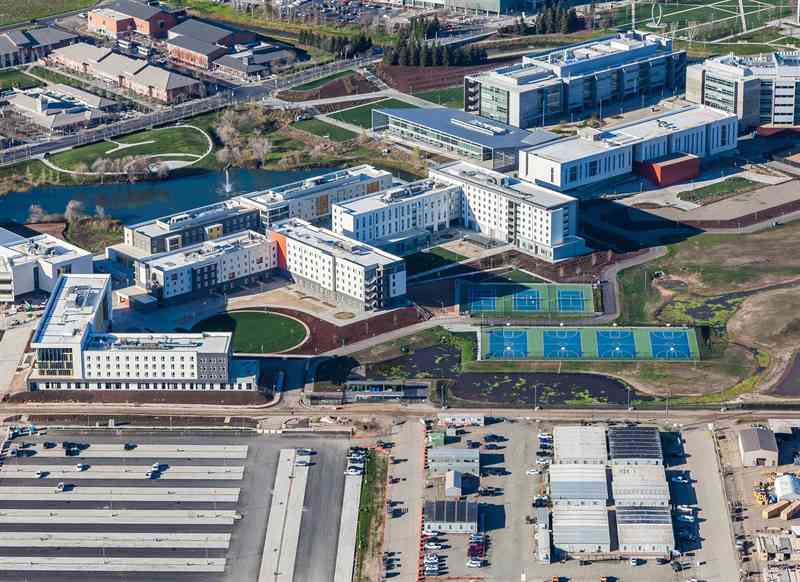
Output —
<point x="427" y="56"/>
<point x="260" y="147"/>
<point x="564" y="24"/>
<point x="541" y="27"/>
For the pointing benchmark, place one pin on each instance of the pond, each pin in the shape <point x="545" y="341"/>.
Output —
<point x="145" y="200"/>
<point x="510" y="389"/>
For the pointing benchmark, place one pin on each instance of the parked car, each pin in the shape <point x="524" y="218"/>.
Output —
<point x="532" y="472"/>
<point x="433" y="546"/>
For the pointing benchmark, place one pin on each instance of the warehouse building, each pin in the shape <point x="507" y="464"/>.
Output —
<point x="453" y="484"/>
<point x="455" y="133"/>
<point x="645" y="531"/>
<point x="579" y="484"/>
<point x="444" y="459"/>
<point x="633" y="485"/>
<point x="18" y="47"/>
<point x="540" y="222"/>
<point x="760" y="90"/>
<point x="597" y="155"/>
<point x="402" y="219"/>
<point x="338" y="268"/>
<point x="36" y="263"/>
<point x="580" y="530"/>
<point x="76" y="350"/>
<point x="576" y="444"/>
<point x="457" y="517"/>
<point x="579" y="79"/>
<point x="221" y="264"/>
<point x="758" y="447"/>
<point x="635" y="445"/>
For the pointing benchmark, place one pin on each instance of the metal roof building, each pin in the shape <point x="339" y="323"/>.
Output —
<point x="451" y="516"/>
<point x="645" y="530"/>
<point x="633" y="485"/>
<point x="581" y="529"/>
<point x="635" y="445"/>
<point x="580" y="444"/>
<point x="579" y="484"/>
<point x="758" y="447"/>
<point x="444" y="459"/>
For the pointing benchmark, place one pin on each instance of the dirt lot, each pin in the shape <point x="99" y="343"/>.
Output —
<point x="415" y="79"/>
<point x="136" y="397"/>
<point x="350" y="85"/>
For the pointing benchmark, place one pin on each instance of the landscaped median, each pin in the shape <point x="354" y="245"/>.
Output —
<point x="371" y="514"/>
<point x="719" y="190"/>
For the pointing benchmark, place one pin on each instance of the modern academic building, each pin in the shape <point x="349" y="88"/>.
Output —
<point x="579" y="79"/>
<point x="643" y="146"/>
<point x="762" y="90"/>
<point x="76" y="349"/>
<point x="455" y="133"/>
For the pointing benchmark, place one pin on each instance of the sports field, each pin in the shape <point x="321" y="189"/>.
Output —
<point x="588" y="343"/>
<point x="525" y="299"/>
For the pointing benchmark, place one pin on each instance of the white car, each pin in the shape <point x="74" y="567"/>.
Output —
<point x="60" y="487"/>
<point x="532" y="472"/>
<point x="686" y="518"/>
<point x="433" y="546"/>
<point x="542" y="461"/>
<point x="679" y="479"/>
<point x="81" y="467"/>
<point x="302" y="463"/>
<point x="474" y="564"/>
<point x="352" y="471"/>
<point x="686" y="508"/>
<point x="305" y="452"/>
<point x="545" y="436"/>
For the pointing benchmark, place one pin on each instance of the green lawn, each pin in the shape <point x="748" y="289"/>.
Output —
<point x="16" y="79"/>
<point x="370" y="510"/>
<point x="449" y="97"/>
<point x="321" y="81"/>
<point x="12" y="11"/>
<point x="255" y="331"/>
<point x="362" y="116"/>
<point x="322" y="129"/>
<point x="164" y="141"/>
<point x="719" y="190"/>
<point x="431" y="259"/>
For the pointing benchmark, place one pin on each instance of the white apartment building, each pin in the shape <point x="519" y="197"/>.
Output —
<point x="34" y="264"/>
<point x="399" y="220"/>
<point x="539" y="221"/>
<point x="596" y="155"/>
<point x="220" y="263"/>
<point x="76" y="350"/>
<point x="339" y="268"/>
<point x="311" y="199"/>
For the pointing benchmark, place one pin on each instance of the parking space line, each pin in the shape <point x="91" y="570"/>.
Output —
<point x="57" y="564"/>
<point x="119" y="516"/>
<point x="19" y="539"/>
<point x="346" y="552"/>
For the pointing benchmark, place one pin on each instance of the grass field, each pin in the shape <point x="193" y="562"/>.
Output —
<point x="719" y="190"/>
<point x="183" y="140"/>
<point x="449" y="97"/>
<point x="14" y="78"/>
<point x="322" y="129"/>
<point x="256" y="332"/>
<point x="12" y="11"/>
<point x="321" y="81"/>
<point x="362" y="116"/>
<point x="431" y="259"/>
<point x="371" y="512"/>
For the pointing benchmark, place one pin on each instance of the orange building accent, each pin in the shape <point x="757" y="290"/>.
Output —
<point x="669" y="171"/>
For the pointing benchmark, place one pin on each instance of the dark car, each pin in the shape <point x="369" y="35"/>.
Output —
<point x="490" y="446"/>
<point x="677" y="566"/>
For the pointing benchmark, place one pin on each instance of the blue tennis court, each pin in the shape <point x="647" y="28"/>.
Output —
<point x="527" y="300"/>
<point x="482" y="300"/>
<point x="616" y="344"/>
<point x="570" y="300"/>
<point x="670" y="345"/>
<point x="506" y="344"/>
<point x="562" y="344"/>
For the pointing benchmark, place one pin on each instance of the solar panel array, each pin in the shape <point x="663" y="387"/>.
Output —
<point x="634" y="442"/>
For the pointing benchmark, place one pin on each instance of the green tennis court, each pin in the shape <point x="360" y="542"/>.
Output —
<point x="525" y="299"/>
<point x="588" y="343"/>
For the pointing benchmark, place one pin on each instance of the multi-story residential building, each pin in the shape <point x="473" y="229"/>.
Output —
<point x="18" y="47"/>
<point x="220" y="264"/>
<point x="35" y="264"/>
<point x="540" y="222"/>
<point x="76" y="350"/>
<point x="458" y="134"/>
<point x="579" y="79"/>
<point x="339" y="268"/>
<point x="759" y="90"/>
<point x="311" y="199"/>
<point x="399" y="220"/>
<point x="308" y="199"/>
<point x="596" y="155"/>
<point x="124" y="17"/>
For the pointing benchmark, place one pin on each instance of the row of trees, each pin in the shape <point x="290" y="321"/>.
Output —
<point x="426" y="55"/>
<point x="554" y="19"/>
<point x="422" y="28"/>
<point x="341" y="46"/>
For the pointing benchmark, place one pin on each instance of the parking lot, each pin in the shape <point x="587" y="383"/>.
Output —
<point x="200" y="515"/>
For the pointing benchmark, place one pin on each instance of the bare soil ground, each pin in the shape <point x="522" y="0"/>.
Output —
<point x="135" y="397"/>
<point x="350" y="85"/>
<point x="416" y="79"/>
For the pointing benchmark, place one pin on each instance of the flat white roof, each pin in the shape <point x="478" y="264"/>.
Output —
<point x="334" y="244"/>
<point x="73" y="304"/>
<point x="581" y="525"/>
<point x="204" y="251"/>
<point x="575" y="442"/>
<point x="631" y="482"/>
<point x="206" y="342"/>
<point x="43" y="247"/>
<point x="406" y="193"/>
<point x="503" y="184"/>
